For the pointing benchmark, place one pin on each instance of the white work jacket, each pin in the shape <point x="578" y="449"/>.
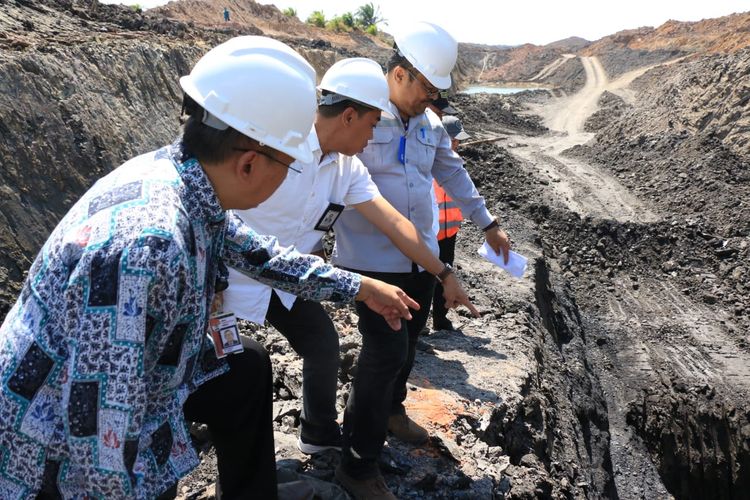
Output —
<point x="407" y="186"/>
<point x="291" y="215"/>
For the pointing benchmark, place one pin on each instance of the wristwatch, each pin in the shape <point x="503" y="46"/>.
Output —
<point x="448" y="269"/>
<point x="490" y="225"/>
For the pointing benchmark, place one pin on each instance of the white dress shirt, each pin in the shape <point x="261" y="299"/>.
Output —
<point x="291" y="215"/>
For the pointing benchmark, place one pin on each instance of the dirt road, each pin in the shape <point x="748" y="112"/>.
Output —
<point x="584" y="189"/>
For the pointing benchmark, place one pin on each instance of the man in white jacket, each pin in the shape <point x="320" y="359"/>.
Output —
<point x="403" y="157"/>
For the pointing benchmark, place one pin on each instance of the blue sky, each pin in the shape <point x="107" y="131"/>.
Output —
<point x="520" y="21"/>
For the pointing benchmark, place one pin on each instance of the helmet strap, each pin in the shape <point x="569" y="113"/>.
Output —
<point x="213" y="122"/>
<point x="332" y="98"/>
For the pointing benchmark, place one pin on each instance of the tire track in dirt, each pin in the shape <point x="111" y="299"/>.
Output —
<point x="680" y="332"/>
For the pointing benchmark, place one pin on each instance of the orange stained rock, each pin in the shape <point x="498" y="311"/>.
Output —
<point x="433" y="408"/>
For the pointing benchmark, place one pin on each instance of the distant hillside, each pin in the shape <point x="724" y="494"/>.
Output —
<point x="720" y="35"/>
<point x="619" y="53"/>
<point x="630" y="49"/>
<point x="570" y="44"/>
<point x="269" y="20"/>
<point x="551" y="65"/>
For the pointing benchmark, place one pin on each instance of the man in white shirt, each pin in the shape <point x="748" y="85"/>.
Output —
<point x="403" y="157"/>
<point x="302" y="210"/>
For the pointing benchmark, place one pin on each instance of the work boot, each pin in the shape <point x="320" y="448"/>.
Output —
<point x="406" y="429"/>
<point x="373" y="488"/>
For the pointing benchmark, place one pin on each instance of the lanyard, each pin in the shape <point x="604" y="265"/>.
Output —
<point x="402" y="145"/>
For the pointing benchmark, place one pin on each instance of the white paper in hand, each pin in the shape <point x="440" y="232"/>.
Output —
<point x="516" y="265"/>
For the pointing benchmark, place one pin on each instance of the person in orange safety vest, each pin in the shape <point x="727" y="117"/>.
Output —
<point x="449" y="217"/>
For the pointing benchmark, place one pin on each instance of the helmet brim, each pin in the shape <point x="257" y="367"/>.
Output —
<point x="441" y="82"/>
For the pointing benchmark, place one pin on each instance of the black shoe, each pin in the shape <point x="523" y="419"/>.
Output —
<point x="443" y="324"/>
<point x="312" y="447"/>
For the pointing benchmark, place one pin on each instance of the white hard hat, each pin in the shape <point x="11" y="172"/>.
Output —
<point x="431" y="50"/>
<point x="359" y="79"/>
<point x="260" y="87"/>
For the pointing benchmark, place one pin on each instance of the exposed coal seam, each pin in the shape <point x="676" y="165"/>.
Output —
<point x="700" y="444"/>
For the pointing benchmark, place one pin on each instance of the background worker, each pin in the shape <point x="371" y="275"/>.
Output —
<point x="441" y="106"/>
<point x="449" y="221"/>
<point x="302" y="210"/>
<point x="106" y="346"/>
<point x="403" y="156"/>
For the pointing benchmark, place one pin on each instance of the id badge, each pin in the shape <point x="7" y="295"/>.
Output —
<point x="222" y="328"/>
<point x="329" y="217"/>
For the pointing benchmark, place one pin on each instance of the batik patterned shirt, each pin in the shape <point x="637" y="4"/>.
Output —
<point x="108" y="337"/>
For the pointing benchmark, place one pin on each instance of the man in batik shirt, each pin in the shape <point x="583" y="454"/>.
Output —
<point x="107" y="341"/>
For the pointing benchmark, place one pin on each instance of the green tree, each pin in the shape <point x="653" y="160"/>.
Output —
<point x="348" y="19"/>
<point x="317" y="18"/>
<point x="372" y="30"/>
<point x="336" y="24"/>
<point x="290" y="12"/>
<point x="368" y="15"/>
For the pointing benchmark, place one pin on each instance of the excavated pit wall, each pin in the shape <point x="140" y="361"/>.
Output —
<point x="696" y="433"/>
<point x="71" y="113"/>
<point x="700" y="443"/>
<point x="562" y="418"/>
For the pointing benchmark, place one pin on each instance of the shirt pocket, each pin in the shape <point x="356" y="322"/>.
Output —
<point x="425" y="148"/>
<point x="381" y="152"/>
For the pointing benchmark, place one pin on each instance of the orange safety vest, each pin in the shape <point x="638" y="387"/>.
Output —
<point x="449" y="214"/>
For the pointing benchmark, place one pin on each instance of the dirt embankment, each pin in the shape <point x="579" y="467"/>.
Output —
<point x="705" y="96"/>
<point x="270" y="21"/>
<point x="85" y="87"/>
<point x="549" y="65"/>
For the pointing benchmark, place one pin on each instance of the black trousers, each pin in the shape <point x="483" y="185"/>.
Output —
<point x="313" y="336"/>
<point x="447" y="254"/>
<point x="383" y="367"/>
<point x="237" y="407"/>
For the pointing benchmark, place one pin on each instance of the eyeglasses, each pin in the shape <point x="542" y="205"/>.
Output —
<point x="431" y="92"/>
<point x="271" y="157"/>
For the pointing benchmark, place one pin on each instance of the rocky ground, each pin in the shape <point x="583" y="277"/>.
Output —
<point x="618" y="367"/>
